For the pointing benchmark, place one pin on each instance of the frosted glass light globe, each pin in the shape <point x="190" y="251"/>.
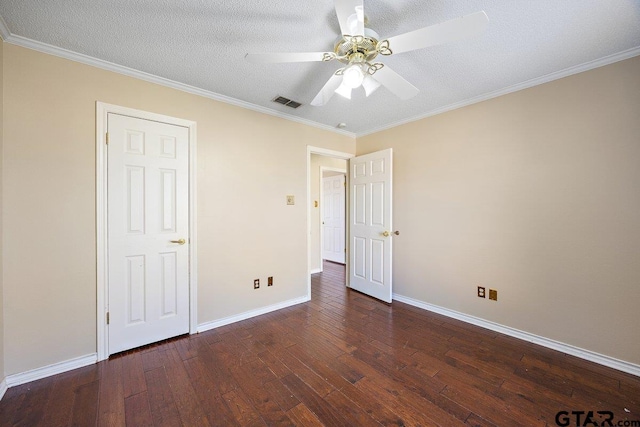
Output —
<point x="353" y="76"/>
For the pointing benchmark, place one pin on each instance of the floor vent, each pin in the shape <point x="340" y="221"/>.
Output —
<point x="286" y="101"/>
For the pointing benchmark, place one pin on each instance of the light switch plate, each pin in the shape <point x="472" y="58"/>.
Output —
<point x="291" y="200"/>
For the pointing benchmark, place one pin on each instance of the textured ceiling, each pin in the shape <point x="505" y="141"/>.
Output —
<point x="203" y="43"/>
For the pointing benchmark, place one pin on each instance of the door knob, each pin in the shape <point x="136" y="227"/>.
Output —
<point x="180" y="242"/>
<point x="387" y="234"/>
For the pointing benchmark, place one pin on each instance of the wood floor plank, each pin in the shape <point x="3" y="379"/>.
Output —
<point x="111" y="394"/>
<point x="281" y="395"/>
<point x="133" y="381"/>
<point x="163" y="407"/>
<point x="275" y="365"/>
<point x="60" y="403"/>
<point x="242" y="409"/>
<point x="184" y="396"/>
<point x="218" y="372"/>
<point x="32" y="406"/>
<point x="341" y="359"/>
<point x="352" y="413"/>
<point x="188" y="348"/>
<point x="261" y="397"/>
<point x="306" y="374"/>
<point x="85" y="405"/>
<point x="9" y="406"/>
<point x="208" y="394"/>
<point x="302" y="416"/>
<point x="326" y="413"/>
<point x="342" y="378"/>
<point x="137" y="410"/>
<point x="486" y="404"/>
<point x="419" y="392"/>
<point x="394" y="402"/>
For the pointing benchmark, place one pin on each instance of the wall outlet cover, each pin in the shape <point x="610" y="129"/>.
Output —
<point x="481" y="291"/>
<point x="291" y="200"/>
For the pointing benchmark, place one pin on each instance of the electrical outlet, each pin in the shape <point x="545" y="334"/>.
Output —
<point x="493" y="294"/>
<point x="270" y="281"/>
<point x="256" y="284"/>
<point x="291" y="200"/>
<point x="481" y="291"/>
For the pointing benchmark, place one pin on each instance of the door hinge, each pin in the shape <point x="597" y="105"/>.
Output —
<point x="107" y="138"/>
<point x="107" y="317"/>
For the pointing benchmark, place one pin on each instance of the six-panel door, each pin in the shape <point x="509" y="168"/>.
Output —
<point x="333" y="218"/>
<point x="148" y="170"/>
<point x="370" y="217"/>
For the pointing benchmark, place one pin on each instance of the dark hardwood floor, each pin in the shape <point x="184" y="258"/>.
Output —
<point x="342" y="359"/>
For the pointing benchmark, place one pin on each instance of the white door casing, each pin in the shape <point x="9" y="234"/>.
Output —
<point x="311" y="150"/>
<point x="370" y="217"/>
<point x="148" y="215"/>
<point x="333" y="218"/>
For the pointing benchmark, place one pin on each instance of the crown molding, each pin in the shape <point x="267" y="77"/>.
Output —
<point x="620" y="56"/>
<point x="130" y="72"/>
<point x="109" y="66"/>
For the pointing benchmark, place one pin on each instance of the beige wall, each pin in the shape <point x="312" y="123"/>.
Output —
<point x="318" y="161"/>
<point x="1" y="210"/>
<point x="535" y="194"/>
<point x="247" y="163"/>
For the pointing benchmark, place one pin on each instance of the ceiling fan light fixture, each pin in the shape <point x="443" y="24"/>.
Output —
<point x="353" y="76"/>
<point x="344" y="90"/>
<point x="370" y="85"/>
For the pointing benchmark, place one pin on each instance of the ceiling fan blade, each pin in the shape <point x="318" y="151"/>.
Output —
<point x="444" y="32"/>
<point x="395" y="83"/>
<point x="350" y="16"/>
<point x="327" y="91"/>
<point x="271" y="58"/>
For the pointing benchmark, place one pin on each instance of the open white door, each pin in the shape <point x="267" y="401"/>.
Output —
<point x="371" y="224"/>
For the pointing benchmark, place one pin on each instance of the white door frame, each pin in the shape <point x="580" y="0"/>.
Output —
<point x="328" y="153"/>
<point x="102" y="306"/>
<point x="344" y="172"/>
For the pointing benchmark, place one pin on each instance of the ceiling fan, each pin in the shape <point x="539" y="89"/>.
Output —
<point x="359" y="46"/>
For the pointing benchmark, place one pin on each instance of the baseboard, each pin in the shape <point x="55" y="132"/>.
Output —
<point x="47" y="371"/>
<point x="249" y="314"/>
<point x="316" y="270"/>
<point x="3" y="387"/>
<point x="589" y="355"/>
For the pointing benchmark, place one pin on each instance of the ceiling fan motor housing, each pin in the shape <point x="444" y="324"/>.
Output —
<point x="357" y="49"/>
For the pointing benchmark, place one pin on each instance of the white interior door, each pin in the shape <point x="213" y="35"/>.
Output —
<point x="148" y="216"/>
<point x="333" y="218"/>
<point x="370" y="226"/>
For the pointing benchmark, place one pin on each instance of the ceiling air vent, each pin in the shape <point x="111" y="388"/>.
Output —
<point x="286" y="101"/>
